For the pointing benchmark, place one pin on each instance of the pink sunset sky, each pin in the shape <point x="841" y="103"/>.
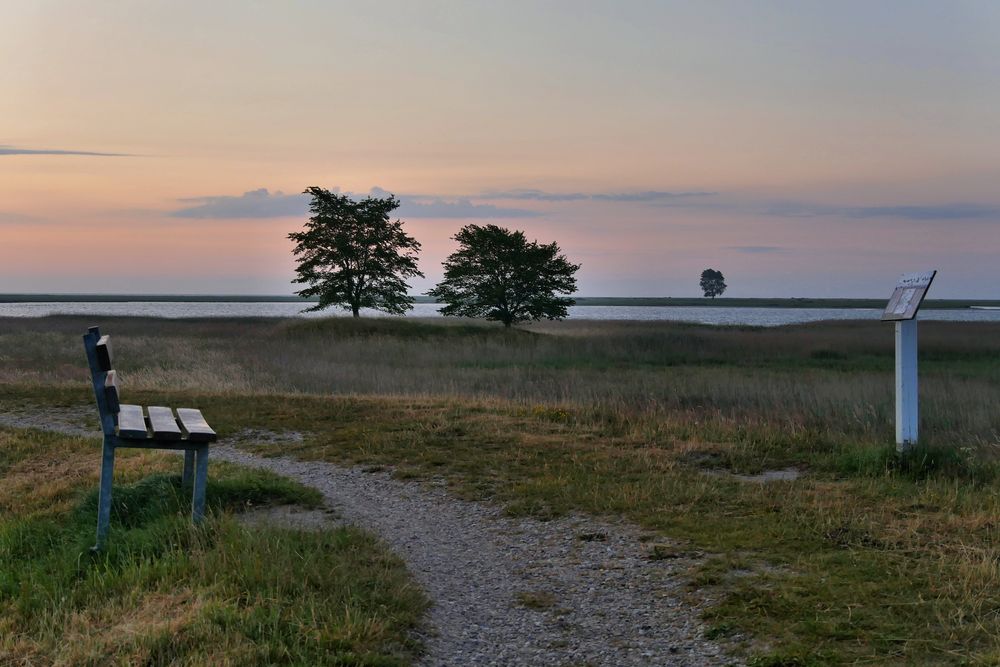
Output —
<point x="802" y="148"/>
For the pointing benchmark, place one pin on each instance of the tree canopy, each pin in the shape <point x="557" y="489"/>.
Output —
<point x="352" y="255"/>
<point x="713" y="283"/>
<point x="498" y="275"/>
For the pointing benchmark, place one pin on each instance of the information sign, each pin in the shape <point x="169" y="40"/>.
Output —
<point x="908" y="295"/>
<point x="902" y="309"/>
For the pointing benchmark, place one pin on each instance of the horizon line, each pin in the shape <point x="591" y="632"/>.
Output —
<point x="9" y="297"/>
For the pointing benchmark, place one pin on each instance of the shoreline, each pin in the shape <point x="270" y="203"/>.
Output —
<point x="692" y="302"/>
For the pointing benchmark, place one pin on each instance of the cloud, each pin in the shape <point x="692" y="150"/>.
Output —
<point x="534" y="195"/>
<point x="12" y="150"/>
<point x="425" y="206"/>
<point x="648" y="196"/>
<point x="932" y="212"/>
<point x="253" y="204"/>
<point x="264" y="204"/>
<point x="757" y="249"/>
<point x="459" y="208"/>
<point x="9" y="217"/>
<point x="789" y="208"/>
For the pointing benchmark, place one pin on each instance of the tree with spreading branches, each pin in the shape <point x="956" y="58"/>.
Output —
<point x="497" y="274"/>
<point x="351" y="254"/>
<point x="713" y="283"/>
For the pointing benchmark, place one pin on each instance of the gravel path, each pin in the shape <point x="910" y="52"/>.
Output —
<point x="69" y="421"/>
<point x="508" y="592"/>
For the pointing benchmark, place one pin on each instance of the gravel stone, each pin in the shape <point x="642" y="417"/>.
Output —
<point x="79" y="422"/>
<point x="289" y="516"/>
<point x="780" y="475"/>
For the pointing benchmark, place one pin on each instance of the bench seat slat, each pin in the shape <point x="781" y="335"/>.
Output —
<point x="164" y="425"/>
<point x="195" y="424"/>
<point x="131" y="423"/>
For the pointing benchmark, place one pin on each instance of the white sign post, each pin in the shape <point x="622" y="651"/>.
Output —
<point x="902" y="309"/>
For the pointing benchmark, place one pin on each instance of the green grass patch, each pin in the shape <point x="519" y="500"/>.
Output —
<point x="167" y="592"/>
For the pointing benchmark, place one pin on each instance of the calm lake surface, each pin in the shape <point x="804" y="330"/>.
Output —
<point x="750" y="316"/>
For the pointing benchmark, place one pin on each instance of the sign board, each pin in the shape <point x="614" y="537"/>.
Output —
<point x="908" y="295"/>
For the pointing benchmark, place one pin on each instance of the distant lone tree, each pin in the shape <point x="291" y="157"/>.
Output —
<point x="713" y="283"/>
<point x="352" y="255"/>
<point x="498" y="275"/>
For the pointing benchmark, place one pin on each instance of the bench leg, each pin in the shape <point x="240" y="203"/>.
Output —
<point x="104" y="500"/>
<point x="188" y="468"/>
<point x="200" y="482"/>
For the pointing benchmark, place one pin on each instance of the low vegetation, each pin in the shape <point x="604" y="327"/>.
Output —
<point x="866" y="557"/>
<point x="166" y="592"/>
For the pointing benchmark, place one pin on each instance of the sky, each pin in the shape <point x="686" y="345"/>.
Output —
<point x="813" y="149"/>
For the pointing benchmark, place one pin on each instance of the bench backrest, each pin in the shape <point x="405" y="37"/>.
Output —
<point x="104" y="378"/>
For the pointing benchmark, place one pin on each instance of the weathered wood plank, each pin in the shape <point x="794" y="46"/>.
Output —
<point x="149" y="443"/>
<point x="104" y="355"/>
<point x="111" y="391"/>
<point x="131" y="423"/>
<point x="196" y="426"/>
<point x="163" y="423"/>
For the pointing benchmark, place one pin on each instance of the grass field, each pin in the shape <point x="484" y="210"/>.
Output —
<point x="165" y="592"/>
<point x="867" y="557"/>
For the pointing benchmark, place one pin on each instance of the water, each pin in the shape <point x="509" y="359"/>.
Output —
<point x="746" y="316"/>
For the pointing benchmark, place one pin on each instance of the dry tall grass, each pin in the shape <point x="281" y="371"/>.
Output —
<point x="835" y="377"/>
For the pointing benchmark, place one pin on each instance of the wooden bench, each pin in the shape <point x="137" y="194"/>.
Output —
<point x="125" y="425"/>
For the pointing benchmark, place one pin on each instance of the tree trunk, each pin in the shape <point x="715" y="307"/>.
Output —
<point x="356" y="311"/>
